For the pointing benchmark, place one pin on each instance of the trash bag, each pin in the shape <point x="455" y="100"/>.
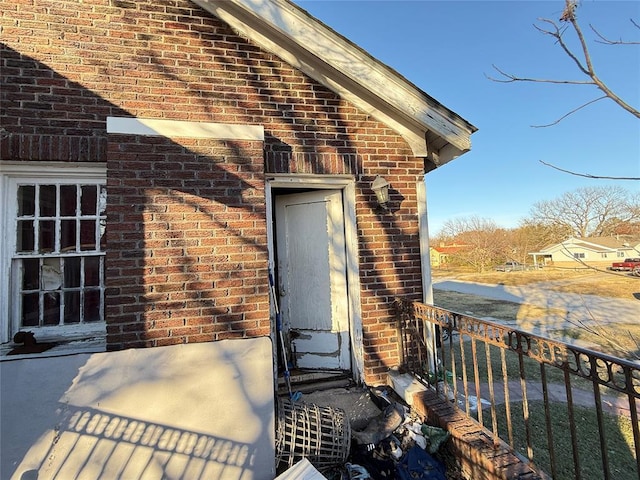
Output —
<point x="417" y="464"/>
<point x="377" y="460"/>
<point x="381" y="426"/>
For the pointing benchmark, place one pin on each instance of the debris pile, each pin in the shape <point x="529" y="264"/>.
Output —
<point x="396" y="444"/>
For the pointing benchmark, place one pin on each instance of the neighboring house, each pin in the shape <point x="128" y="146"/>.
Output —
<point x="603" y="250"/>
<point x="158" y="157"/>
<point x="440" y="255"/>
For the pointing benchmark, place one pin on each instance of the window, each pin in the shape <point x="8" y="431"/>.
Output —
<point x="620" y="254"/>
<point x="56" y="254"/>
<point x="578" y="255"/>
<point x="603" y="255"/>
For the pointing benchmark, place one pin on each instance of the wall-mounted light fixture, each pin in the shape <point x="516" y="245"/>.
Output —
<point x="381" y="188"/>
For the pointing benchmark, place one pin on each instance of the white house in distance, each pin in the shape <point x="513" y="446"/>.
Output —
<point x="603" y="250"/>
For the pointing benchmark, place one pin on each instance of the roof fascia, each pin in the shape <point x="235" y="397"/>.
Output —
<point x="307" y="44"/>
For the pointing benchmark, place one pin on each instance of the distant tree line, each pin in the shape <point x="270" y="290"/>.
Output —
<point x="584" y="212"/>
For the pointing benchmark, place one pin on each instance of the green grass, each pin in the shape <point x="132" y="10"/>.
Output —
<point x="618" y="435"/>
<point x="618" y="429"/>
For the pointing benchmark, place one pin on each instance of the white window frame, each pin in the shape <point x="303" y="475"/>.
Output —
<point x="11" y="173"/>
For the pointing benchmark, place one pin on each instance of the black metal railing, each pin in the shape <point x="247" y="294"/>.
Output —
<point x="570" y="411"/>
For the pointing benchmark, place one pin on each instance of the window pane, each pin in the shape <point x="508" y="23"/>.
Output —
<point x="87" y="235"/>
<point x="26" y="240"/>
<point x="67" y="235"/>
<point x="47" y="200"/>
<point x="30" y="310"/>
<point x="47" y="235"/>
<point x="30" y="274"/>
<point x="68" y="200"/>
<point x="103" y="237"/>
<point x="88" y="200"/>
<point x="71" y="307"/>
<point x="26" y="200"/>
<point x="72" y="272"/>
<point x="92" y="306"/>
<point x="92" y="271"/>
<point x="51" y="274"/>
<point x="102" y="201"/>
<point x="51" y="308"/>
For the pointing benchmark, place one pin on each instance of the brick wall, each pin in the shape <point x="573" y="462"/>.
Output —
<point x="66" y="66"/>
<point x="187" y="241"/>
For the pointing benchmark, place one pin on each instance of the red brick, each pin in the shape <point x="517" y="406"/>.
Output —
<point x="195" y="205"/>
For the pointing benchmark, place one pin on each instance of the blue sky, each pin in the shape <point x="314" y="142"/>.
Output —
<point x="447" y="49"/>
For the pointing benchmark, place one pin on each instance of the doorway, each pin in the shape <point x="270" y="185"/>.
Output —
<point x="311" y="278"/>
<point x="313" y="252"/>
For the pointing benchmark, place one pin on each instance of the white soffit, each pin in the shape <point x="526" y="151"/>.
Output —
<point x="304" y="42"/>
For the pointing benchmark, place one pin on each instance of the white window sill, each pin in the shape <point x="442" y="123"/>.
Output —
<point x="68" y="347"/>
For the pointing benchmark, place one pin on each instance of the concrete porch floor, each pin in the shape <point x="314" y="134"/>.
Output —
<point x="189" y="411"/>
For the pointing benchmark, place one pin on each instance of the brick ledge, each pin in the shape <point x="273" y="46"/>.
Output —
<point x="480" y="455"/>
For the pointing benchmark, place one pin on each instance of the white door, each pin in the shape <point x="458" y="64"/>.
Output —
<point x="312" y="278"/>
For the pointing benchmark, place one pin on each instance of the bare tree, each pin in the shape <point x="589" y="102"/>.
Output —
<point x="485" y="243"/>
<point x="533" y="237"/>
<point x="581" y="58"/>
<point x="588" y="211"/>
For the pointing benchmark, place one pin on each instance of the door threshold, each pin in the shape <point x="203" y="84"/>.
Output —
<point x="305" y="381"/>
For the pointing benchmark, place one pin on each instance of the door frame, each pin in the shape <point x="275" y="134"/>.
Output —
<point x="345" y="183"/>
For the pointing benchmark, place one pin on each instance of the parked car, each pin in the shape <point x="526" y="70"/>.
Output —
<point x="510" y="267"/>
<point x="628" y="265"/>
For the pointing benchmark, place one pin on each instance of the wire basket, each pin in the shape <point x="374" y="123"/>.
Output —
<point x="320" y="434"/>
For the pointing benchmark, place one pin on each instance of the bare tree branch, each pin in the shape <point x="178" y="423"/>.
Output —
<point x="570" y="113"/>
<point x="606" y="332"/>
<point x="571" y="5"/>
<point x="509" y="78"/>
<point x="606" y="41"/>
<point x="583" y="62"/>
<point x="588" y="175"/>
<point x="557" y="34"/>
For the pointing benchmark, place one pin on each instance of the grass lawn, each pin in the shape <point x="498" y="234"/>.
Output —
<point x="620" y="340"/>
<point x="581" y="281"/>
<point x="531" y="368"/>
<point x="618" y="429"/>
<point x="618" y="434"/>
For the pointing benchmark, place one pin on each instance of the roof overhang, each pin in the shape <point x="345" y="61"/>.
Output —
<point x="280" y="27"/>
